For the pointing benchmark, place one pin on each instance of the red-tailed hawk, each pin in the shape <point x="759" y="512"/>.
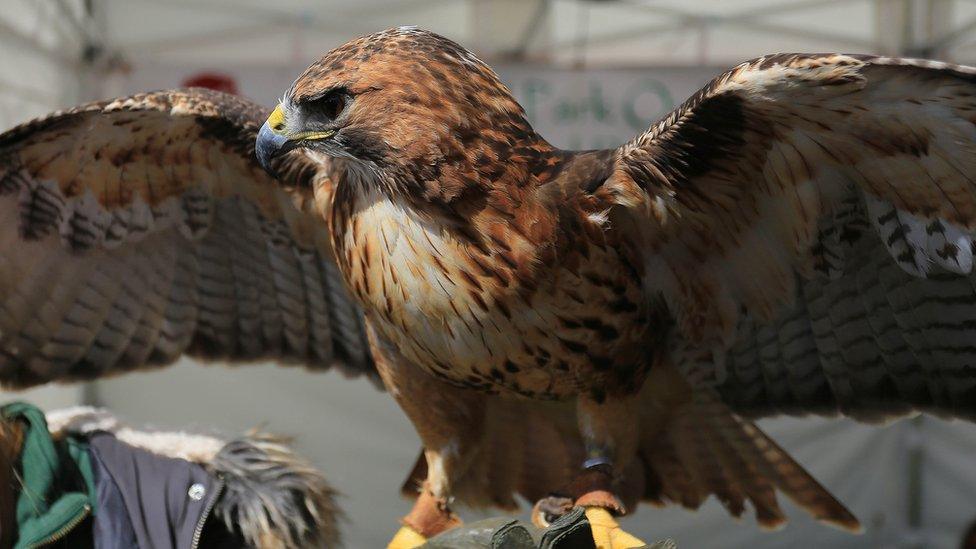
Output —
<point x="796" y="238"/>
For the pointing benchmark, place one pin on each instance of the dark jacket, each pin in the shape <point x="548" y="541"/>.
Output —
<point x="94" y="482"/>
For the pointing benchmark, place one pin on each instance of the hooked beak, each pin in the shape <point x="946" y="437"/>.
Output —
<point x="275" y="139"/>
<point x="272" y="139"/>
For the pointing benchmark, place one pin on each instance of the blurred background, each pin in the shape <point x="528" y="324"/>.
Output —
<point x="591" y="73"/>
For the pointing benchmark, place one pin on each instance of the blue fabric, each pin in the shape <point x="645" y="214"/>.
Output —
<point x="112" y="528"/>
<point x="150" y="496"/>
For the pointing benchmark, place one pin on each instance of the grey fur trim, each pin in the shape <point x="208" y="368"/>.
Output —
<point x="272" y="497"/>
<point x="84" y="420"/>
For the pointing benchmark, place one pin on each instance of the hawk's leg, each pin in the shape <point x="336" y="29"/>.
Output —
<point x="610" y="428"/>
<point x="450" y="422"/>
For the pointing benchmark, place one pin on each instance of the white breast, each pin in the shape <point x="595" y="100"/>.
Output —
<point x="416" y="292"/>
<point x="419" y="295"/>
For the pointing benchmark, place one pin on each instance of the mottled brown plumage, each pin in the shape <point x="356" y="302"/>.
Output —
<point x="455" y="251"/>
<point x="489" y="260"/>
<point x="796" y="238"/>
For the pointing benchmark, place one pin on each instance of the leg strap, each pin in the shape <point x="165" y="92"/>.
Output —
<point x="430" y="516"/>
<point x="593" y="487"/>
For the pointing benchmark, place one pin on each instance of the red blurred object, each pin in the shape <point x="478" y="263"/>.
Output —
<point x="212" y="80"/>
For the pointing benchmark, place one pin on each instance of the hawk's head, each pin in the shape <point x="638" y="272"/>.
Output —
<point x="410" y="106"/>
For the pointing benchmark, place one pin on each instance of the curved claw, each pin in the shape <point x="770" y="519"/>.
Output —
<point x="406" y="538"/>
<point x="548" y="509"/>
<point x="607" y="533"/>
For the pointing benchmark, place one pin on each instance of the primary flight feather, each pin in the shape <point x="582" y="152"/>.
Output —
<point x="795" y="238"/>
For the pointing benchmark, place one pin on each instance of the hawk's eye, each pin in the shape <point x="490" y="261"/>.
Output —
<point x="331" y="105"/>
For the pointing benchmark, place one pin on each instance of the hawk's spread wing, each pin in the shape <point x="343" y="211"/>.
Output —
<point x="135" y="230"/>
<point x="813" y="216"/>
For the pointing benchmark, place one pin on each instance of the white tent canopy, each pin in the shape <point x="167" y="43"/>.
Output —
<point x="659" y="32"/>
<point x="53" y="42"/>
<point x="586" y="70"/>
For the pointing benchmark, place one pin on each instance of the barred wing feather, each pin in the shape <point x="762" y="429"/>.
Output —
<point x="136" y="230"/>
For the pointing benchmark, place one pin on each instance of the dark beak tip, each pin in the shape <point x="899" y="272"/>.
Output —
<point x="267" y="147"/>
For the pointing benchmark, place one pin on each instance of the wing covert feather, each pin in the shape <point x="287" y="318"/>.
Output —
<point x="809" y="221"/>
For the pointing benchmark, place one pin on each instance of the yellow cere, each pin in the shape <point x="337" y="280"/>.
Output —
<point x="277" y="120"/>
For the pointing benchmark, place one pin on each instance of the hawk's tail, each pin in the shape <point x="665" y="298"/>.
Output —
<point x="703" y="448"/>
<point x="692" y="446"/>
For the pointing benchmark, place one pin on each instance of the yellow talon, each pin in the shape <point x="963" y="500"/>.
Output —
<point x="607" y="534"/>
<point x="406" y="538"/>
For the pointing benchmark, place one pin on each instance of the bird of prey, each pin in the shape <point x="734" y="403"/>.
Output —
<point x="589" y="328"/>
